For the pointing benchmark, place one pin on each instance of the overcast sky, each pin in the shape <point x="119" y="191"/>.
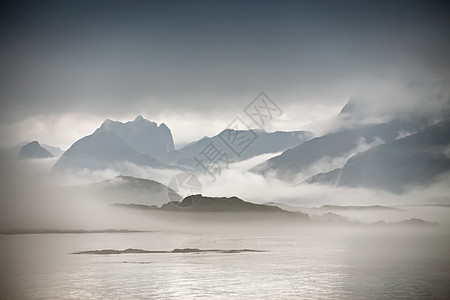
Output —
<point x="65" y="66"/>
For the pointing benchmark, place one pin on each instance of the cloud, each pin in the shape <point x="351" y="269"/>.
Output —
<point x="421" y="95"/>
<point x="43" y="203"/>
<point x="259" y="189"/>
<point x="147" y="58"/>
<point x="55" y="130"/>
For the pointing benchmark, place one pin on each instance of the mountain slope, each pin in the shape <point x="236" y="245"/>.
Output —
<point x="102" y="150"/>
<point x="128" y="190"/>
<point x="114" y="144"/>
<point x="415" y="159"/>
<point x="333" y="146"/>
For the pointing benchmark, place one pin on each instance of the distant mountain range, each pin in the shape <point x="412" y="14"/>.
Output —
<point x="143" y="143"/>
<point x="233" y="211"/>
<point x="341" y="144"/>
<point x="261" y="143"/>
<point x="219" y="204"/>
<point x="403" y="151"/>
<point x="149" y="195"/>
<point x="139" y="193"/>
<point x="232" y="207"/>
<point x="415" y="159"/>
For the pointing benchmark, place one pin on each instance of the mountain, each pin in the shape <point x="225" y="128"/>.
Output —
<point x="238" y="145"/>
<point x="128" y="190"/>
<point x="332" y="146"/>
<point x="10" y="153"/>
<point x="227" y="206"/>
<point x="415" y="159"/>
<point x="115" y="144"/>
<point x="144" y="143"/>
<point x="219" y="204"/>
<point x="103" y="150"/>
<point x="321" y="154"/>
<point x="33" y="150"/>
<point x="144" y="136"/>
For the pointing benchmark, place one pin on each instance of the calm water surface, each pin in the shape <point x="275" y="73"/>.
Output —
<point x="356" y="264"/>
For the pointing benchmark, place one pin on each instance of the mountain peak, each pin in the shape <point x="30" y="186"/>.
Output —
<point x="143" y="135"/>
<point x="107" y="124"/>
<point x="34" y="150"/>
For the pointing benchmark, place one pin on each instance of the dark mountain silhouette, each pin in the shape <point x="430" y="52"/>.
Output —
<point x="200" y="209"/>
<point x="200" y="203"/>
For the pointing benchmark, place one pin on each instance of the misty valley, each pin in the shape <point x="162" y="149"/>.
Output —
<point x="217" y="149"/>
<point x="342" y="215"/>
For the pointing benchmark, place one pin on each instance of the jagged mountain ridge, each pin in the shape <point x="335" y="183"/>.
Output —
<point x="262" y="143"/>
<point x="115" y="144"/>
<point x="141" y="134"/>
<point x="103" y="150"/>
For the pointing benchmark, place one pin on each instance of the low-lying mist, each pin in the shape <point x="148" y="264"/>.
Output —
<point x="31" y="199"/>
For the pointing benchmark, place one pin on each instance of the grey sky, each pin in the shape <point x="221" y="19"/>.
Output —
<point x="180" y="60"/>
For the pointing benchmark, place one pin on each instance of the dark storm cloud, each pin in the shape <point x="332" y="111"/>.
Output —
<point x="126" y="56"/>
